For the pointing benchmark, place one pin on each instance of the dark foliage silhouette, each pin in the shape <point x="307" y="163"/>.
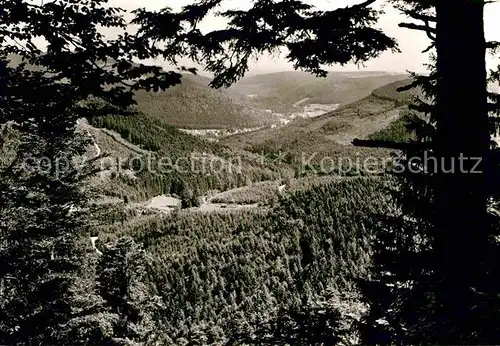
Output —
<point x="49" y="290"/>
<point x="436" y="267"/>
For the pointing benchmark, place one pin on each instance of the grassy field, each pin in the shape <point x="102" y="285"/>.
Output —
<point x="268" y="193"/>
<point x="397" y="131"/>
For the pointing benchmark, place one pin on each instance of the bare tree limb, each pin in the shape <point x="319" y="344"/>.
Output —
<point x="431" y="46"/>
<point x="419" y="16"/>
<point x="426" y="28"/>
<point x="364" y="4"/>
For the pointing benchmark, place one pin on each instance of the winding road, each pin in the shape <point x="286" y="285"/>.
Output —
<point x="84" y="125"/>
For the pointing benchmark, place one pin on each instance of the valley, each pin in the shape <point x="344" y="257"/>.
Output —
<point x="244" y="157"/>
<point x="237" y="227"/>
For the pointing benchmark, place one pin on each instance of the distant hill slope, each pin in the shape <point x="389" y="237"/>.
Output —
<point x="329" y="137"/>
<point x="389" y="92"/>
<point x="280" y="91"/>
<point x="193" y="104"/>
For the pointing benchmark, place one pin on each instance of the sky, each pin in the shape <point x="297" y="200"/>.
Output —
<point x="411" y="42"/>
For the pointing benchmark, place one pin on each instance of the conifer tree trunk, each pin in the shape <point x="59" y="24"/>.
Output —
<point x="462" y="131"/>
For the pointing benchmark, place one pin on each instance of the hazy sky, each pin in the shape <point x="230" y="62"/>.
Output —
<point x="411" y="42"/>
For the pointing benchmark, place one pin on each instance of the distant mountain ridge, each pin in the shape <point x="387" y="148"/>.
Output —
<point x="255" y="101"/>
<point x="281" y="90"/>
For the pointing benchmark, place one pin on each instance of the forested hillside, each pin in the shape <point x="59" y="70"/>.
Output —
<point x="220" y="274"/>
<point x="169" y="161"/>
<point x="390" y="92"/>
<point x="193" y="104"/>
<point x="223" y="274"/>
<point x="239" y="160"/>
